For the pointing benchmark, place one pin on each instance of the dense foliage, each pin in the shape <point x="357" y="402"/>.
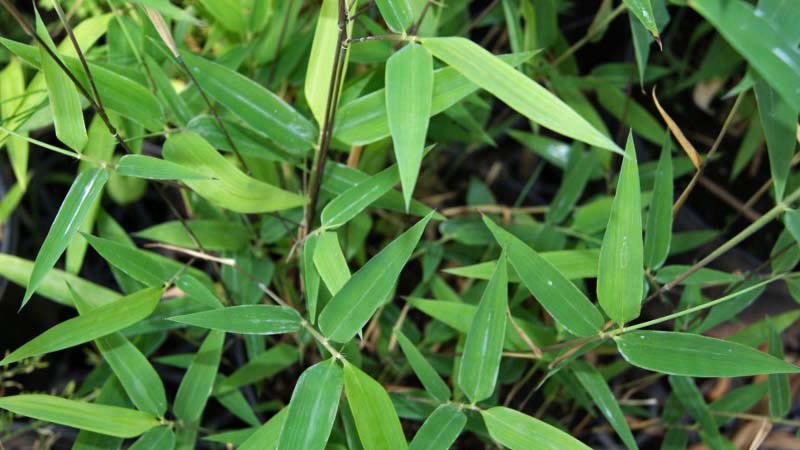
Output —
<point x="402" y="224"/>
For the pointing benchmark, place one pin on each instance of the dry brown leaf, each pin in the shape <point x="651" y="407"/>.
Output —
<point x="676" y="131"/>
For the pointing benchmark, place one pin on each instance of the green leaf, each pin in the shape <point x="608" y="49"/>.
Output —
<point x="64" y="98"/>
<point x="101" y="321"/>
<point x="245" y="319"/>
<point x="620" y="282"/>
<point x="323" y="56"/>
<point x="562" y="299"/>
<point x="110" y="420"/>
<point x="231" y="189"/>
<point x="780" y="395"/>
<point x="376" y="420"/>
<point x="686" y="391"/>
<point x="398" y="14"/>
<point x="767" y="46"/>
<point x="264" y="365"/>
<point x="151" y="168"/>
<point x="12" y="87"/>
<point x="330" y="262"/>
<point x="312" y="409"/>
<point x="409" y="89"/>
<point x="575" y="179"/>
<point x="213" y="235"/>
<point x="440" y="430"/>
<point x="366" y="290"/>
<point x="267" y="435"/>
<point x="364" y="120"/>
<point x="351" y="202"/>
<point x="696" y="356"/>
<point x="518" y="431"/>
<point x="160" y="437"/>
<point x="596" y="386"/>
<point x="779" y="122"/>
<point x="573" y="264"/>
<point x="255" y="105"/>
<point x="76" y="206"/>
<point x="792" y="220"/>
<point x="54" y="284"/>
<point x="134" y="371"/>
<point x="423" y="369"/>
<point x="659" y="217"/>
<point x="515" y="89"/>
<point x="228" y="13"/>
<point x="310" y="276"/>
<point x="483" y="347"/>
<point x="643" y="10"/>
<point x="197" y="383"/>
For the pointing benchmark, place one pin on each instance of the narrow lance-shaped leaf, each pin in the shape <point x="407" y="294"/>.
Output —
<point x="658" y="233"/>
<point x="330" y="262"/>
<point x="687" y="393"/>
<point x="134" y="371"/>
<point x="73" y="211"/>
<point x="596" y="386"/>
<point x="483" y="347"/>
<point x="161" y="437"/>
<point x="409" y="89"/>
<point x="440" y="430"/>
<point x="245" y="319"/>
<point x="562" y="299"/>
<point x="780" y="394"/>
<point x="398" y="14"/>
<point x="103" y="419"/>
<point x="267" y="435"/>
<point x="312" y="409"/>
<point x="255" y="105"/>
<point x="228" y="186"/>
<point x="376" y="420"/>
<point x="696" y="356"/>
<point x="310" y="276"/>
<point x="142" y="166"/>
<point x="323" y="55"/>
<point x="643" y="10"/>
<point x="518" y="431"/>
<point x="349" y="203"/>
<point x="779" y="122"/>
<point x="101" y="321"/>
<point x="355" y="303"/>
<point x="575" y="179"/>
<point x="792" y="220"/>
<point x="64" y="98"/>
<point x="12" y="90"/>
<point x="423" y="369"/>
<point x="620" y="281"/>
<point x="515" y="89"/>
<point x="197" y="383"/>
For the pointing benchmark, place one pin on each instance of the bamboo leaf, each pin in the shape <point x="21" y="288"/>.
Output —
<point x="483" y="347"/>
<point x="643" y="10"/>
<point x="696" y="356"/>
<point x="323" y="56"/>
<point x="110" y="420"/>
<point x="780" y="394"/>
<point x="197" y="383"/>
<point x="375" y="418"/>
<point x="133" y="370"/>
<point x="562" y="299"/>
<point x="423" y="369"/>
<point x="409" y="89"/>
<point x="440" y="430"/>
<point x="148" y="167"/>
<point x="330" y="262"/>
<point x="358" y="299"/>
<point x="312" y="409"/>
<point x="398" y="14"/>
<point x="352" y="201"/>
<point x="159" y="437"/>
<point x="76" y="206"/>
<point x="658" y="233"/>
<point x="245" y="319"/>
<point x="518" y="431"/>
<point x="213" y="235"/>
<point x="12" y="89"/>
<point x="619" y="280"/>
<point x="686" y="391"/>
<point x="596" y="386"/>
<point x="263" y="365"/>
<point x="575" y="179"/>
<point x="779" y="122"/>
<point x="792" y="220"/>
<point x="573" y="264"/>
<point x="515" y="89"/>
<point x="267" y="435"/>
<point x="310" y="275"/>
<point x="231" y="188"/>
<point x="767" y="46"/>
<point x="255" y="105"/>
<point x="101" y="321"/>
